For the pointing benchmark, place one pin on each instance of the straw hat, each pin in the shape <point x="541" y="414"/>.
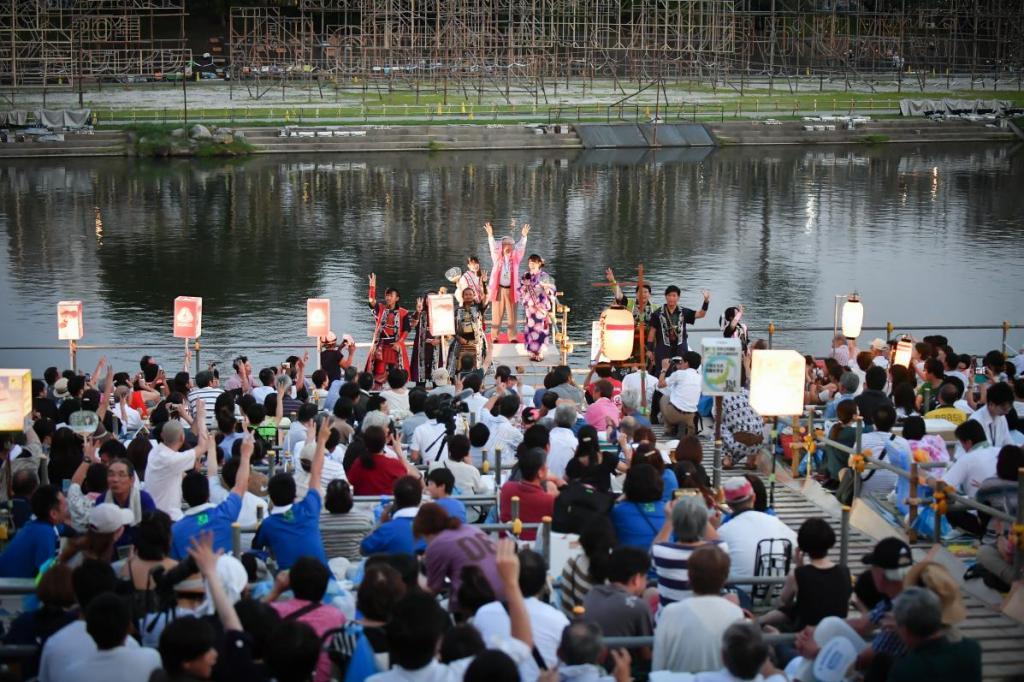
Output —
<point x="936" y="578"/>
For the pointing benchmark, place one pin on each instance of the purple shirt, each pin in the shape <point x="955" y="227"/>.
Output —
<point x="464" y="546"/>
<point x="599" y="410"/>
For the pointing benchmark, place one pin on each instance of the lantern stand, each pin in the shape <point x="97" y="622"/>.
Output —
<point x="73" y="354"/>
<point x="197" y="348"/>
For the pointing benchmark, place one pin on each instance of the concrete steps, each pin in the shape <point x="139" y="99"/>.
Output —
<point x="411" y="138"/>
<point x="105" y="143"/>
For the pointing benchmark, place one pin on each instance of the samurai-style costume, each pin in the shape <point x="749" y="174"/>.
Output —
<point x="670" y="332"/>
<point x="391" y="327"/>
<point x="469" y="337"/>
<point x="471" y="280"/>
<point x="537" y="293"/>
<point x="425" y="356"/>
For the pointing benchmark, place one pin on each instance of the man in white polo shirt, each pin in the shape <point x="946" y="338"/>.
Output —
<point x="167" y="464"/>
<point x="679" y="403"/>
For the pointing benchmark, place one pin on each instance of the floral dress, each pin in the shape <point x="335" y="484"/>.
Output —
<point x="738" y="416"/>
<point x="537" y="292"/>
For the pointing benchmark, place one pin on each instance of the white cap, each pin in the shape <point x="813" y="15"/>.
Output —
<point x="834" y="659"/>
<point x="877" y="344"/>
<point x="107" y="518"/>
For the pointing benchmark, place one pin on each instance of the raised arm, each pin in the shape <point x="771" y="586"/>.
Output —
<point x="96" y="373"/>
<point x="108" y="390"/>
<point x="508" y="568"/>
<point x="371" y="297"/>
<point x="245" y="455"/>
<point x="316" y="468"/>
<point x="521" y="244"/>
<point x="491" y="246"/>
<point x="616" y="289"/>
<point x="704" y="307"/>
<point x="206" y="560"/>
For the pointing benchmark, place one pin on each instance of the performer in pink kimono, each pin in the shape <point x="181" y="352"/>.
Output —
<point x="538" y="293"/>
<point x="504" y="279"/>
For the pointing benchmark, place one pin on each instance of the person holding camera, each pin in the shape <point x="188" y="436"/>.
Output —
<point x="679" y="405"/>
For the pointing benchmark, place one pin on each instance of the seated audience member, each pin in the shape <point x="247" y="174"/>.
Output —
<point x="590" y="464"/>
<point x="618" y="606"/>
<point x="33" y="628"/>
<point x="817" y="587"/>
<point x="932" y="655"/>
<point x="534" y="501"/>
<point x="744" y="656"/>
<point x="639" y="515"/>
<point x="307" y="579"/>
<point x="688" y="524"/>
<point x="108" y="621"/>
<point x="870" y="642"/>
<point x="689" y="633"/>
<point x="580" y="649"/>
<point x="583" y="571"/>
<point x="440" y="486"/>
<point x="603" y="413"/>
<point x="747" y="528"/>
<point x="395" y="535"/>
<point x="293" y="527"/>
<point x="873" y="395"/>
<point x="342" y="526"/>
<point x="37" y="542"/>
<point x="884" y="446"/>
<point x="374" y="472"/>
<point x="467" y="476"/>
<point x="562" y="440"/>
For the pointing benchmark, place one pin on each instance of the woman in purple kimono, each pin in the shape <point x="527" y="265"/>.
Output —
<point x="537" y="292"/>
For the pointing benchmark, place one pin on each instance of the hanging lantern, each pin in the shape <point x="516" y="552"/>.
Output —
<point x="188" y="317"/>
<point x="318" y="317"/>
<point x="904" y="352"/>
<point x="70" y="326"/>
<point x="441" y="308"/>
<point x="15" y="398"/>
<point x="777" y="382"/>
<point x="853" y="316"/>
<point x="617" y="333"/>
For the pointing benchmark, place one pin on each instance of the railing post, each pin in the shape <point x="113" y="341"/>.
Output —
<point x="73" y="354"/>
<point x="795" y="447"/>
<point x="497" y="467"/>
<point x="844" y="535"/>
<point x="912" y="502"/>
<point x="236" y="539"/>
<point x="771" y="334"/>
<point x="1006" y="331"/>
<point x="716" y="466"/>
<point x="937" y="528"/>
<point x="810" y="435"/>
<point x="545" y="538"/>
<point x="197" y="348"/>
<point x="859" y="422"/>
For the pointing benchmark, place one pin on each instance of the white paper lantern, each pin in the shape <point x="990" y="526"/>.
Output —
<point x="70" y="326"/>
<point x="441" y="308"/>
<point x="777" y="382"/>
<point x="617" y="333"/>
<point x="904" y="351"/>
<point x="853" y="316"/>
<point x="15" y="398"/>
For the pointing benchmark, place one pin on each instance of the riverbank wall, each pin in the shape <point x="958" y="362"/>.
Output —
<point x="437" y="138"/>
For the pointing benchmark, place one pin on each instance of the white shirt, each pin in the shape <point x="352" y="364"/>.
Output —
<point x="250" y="503"/>
<point x="209" y="397"/>
<point x="997" y="431"/>
<point x="546" y="624"/>
<point x="563" y="446"/>
<point x="332" y="470"/>
<point x="722" y="675"/>
<point x="260" y="393"/>
<point x="68" y="646"/>
<point x="631" y="382"/>
<point x="684" y="389"/>
<point x="475" y="402"/>
<point x="743" y="532"/>
<point x="882" y="481"/>
<point x="688" y="637"/>
<point x="296" y="435"/>
<point x="398" y="403"/>
<point x="505" y="436"/>
<point x="164" y="471"/>
<point x="467" y="476"/>
<point x="971" y="468"/>
<point x="131" y="419"/>
<point x="962" y="376"/>
<point x="120" y="664"/>
<point x="428" y="440"/>
<point x="435" y="671"/>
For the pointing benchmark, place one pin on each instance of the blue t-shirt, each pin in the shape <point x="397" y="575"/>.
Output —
<point x="294" y="533"/>
<point x="670" y="483"/>
<point x="636" y="523"/>
<point x="393" y="537"/>
<point x="32" y="546"/>
<point x="454" y="507"/>
<point x="216" y="520"/>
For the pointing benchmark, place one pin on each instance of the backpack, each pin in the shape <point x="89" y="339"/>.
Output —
<point x="576" y="505"/>
<point x="352" y="657"/>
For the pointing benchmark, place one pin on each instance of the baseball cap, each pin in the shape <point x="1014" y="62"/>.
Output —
<point x="107" y="518"/>
<point x="737" y="489"/>
<point x="877" y="344"/>
<point x="892" y="555"/>
<point x="307" y="452"/>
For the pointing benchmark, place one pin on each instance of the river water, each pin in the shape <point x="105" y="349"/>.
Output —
<point x="927" y="234"/>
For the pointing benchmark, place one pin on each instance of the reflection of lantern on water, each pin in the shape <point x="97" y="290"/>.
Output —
<point x="777" y="382"/>
<point x="617" y="333"/>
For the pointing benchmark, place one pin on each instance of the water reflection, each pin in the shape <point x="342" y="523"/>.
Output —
<point x="921" y="232"/>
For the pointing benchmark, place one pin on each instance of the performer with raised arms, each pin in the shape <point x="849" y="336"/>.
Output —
<point x="391" y="327"/>
<point x="504" y="280"/>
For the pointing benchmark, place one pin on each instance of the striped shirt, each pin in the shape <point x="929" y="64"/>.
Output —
<point x="209" y="397"/>
<point x="885" y="641"/>
<point x="342" y="533"/>
<point x="671" y="561"/>
<point x="575" y="583"/>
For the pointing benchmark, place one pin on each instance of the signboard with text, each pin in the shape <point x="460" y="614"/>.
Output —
<point x="721" y="366"/>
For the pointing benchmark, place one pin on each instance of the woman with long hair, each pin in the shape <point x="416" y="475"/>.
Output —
<point x="537" y="290"/>
<point x="640" y="512"/>
<point x="589" y="464"/>
<point x="582" y="572"/>
<point x="426" y="349"/>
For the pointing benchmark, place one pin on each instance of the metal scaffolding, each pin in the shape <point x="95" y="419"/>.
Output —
<point x="48" y="42"/>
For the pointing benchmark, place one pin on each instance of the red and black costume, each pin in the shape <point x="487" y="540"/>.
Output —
<point x="391" y="327"/>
